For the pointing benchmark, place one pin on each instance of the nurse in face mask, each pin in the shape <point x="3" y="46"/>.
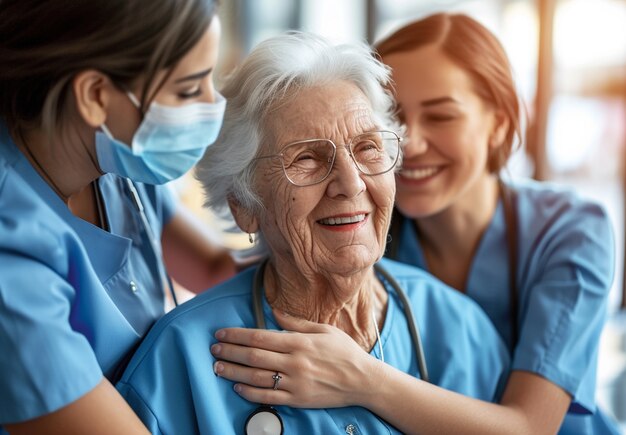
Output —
<point x="101" y="102"/>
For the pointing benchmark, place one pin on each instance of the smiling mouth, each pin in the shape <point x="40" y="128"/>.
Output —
<point x="346" y="220"/>
<point x="420" y="173"/>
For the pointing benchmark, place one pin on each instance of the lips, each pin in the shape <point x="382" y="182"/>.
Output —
<point x="343" y="220"/>
<point x="420" y="173"/>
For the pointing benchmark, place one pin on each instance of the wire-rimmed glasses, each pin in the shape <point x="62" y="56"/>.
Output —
<point x="310" y="161"/>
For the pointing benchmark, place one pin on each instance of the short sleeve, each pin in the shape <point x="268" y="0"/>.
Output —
<point x="566" y="305"/>
<point x="45" y="364"/>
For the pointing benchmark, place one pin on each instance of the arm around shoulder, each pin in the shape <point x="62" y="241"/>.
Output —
<point x="100" y="411"/>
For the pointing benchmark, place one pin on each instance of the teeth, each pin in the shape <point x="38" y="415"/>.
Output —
<point x="342" y="220"/>
<point x="420" y="173"/>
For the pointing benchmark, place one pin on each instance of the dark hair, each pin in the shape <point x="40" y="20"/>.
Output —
<point x="476" y="50"/>
<point x="45" y="43"/>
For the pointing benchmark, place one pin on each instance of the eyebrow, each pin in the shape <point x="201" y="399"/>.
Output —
<point x="441" y="100"/>
<point x="195" y="76"/>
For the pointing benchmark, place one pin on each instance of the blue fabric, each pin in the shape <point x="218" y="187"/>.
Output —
<point x="67" y="311"/>
<point x="170" y="383"/>
<point x="564" y="274"/>
<point x="169" y="141"/>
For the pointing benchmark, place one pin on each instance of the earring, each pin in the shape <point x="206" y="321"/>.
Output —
<point x="251" y="238"/>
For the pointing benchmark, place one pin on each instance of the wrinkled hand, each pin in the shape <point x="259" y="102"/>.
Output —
<point x="321" y="366"/>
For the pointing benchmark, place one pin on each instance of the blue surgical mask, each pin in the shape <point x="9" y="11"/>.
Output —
<point x="168" y="142"/>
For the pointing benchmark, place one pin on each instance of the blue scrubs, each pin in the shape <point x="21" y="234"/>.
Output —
<point x="564" y="274"/>
<point x="74" y="299"/>
<point x="170" y="384"/>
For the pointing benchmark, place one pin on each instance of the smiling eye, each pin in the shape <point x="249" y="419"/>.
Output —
<point x="437" y="117"/>
<point x="305" y="156"/>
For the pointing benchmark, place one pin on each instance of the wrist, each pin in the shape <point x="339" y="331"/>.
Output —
<point x="374" y="380"/>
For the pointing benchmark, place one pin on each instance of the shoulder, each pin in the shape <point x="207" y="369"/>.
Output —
<point x="464" y="352"/>
<point x="28" y="226"/>
<point x="195" y="321"/>
<point x="37" y="305"/>
<point x="225" y="302"/>
<point x="547" y="204"/>
<point x="417" y="282"/>
<point x="556" y="225"/>
<point x="432" y="296"/>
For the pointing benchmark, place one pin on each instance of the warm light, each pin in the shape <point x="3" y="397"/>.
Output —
<point x="520" y="35"/>
<point x="339" y="21"/>
<point x="590" y="33"/>
<point x="575" y="130"/>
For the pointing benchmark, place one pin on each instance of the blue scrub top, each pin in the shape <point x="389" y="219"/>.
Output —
<point x="74" y="299"/>
<point x="171" y="386"/>
<point x="564" y="274"/>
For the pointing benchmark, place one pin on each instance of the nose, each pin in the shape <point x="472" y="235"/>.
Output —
<point x="345" y="178"/>
<point x="415" y="142"/>
<point x="209" y="95"/>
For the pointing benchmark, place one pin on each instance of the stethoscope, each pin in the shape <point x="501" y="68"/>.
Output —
<point x="156" y="250"/>
<point x="507" y="195"/>
<point x="154" y="241"/>
<point x="265" y="420"/>
<point x="152" y="237"/>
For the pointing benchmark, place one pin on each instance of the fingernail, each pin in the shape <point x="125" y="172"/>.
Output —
<point x="237" y="388"/>
<point x="218" y="368"/>
<point x="220" y="334"/>
<point x="216" y="349"/>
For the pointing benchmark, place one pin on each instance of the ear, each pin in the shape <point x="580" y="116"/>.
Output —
<point x="244" y="218"/>
<point x="501" y="127"/>
<point x="92" y="93"/>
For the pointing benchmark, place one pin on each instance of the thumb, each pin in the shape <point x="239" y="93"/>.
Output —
<point x="296" y="324"/>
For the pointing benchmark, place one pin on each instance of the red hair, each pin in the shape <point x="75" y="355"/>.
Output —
<point x="476" y="50"/>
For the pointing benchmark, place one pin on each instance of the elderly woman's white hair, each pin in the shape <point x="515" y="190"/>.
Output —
<point x="273" y="73"/>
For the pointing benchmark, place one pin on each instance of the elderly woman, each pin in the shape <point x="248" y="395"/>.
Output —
<point x="305" y="163"/>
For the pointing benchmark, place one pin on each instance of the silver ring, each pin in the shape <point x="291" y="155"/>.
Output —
<point x="277" y="377"/>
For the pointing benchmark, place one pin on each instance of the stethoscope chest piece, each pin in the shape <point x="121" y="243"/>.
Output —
<point x="264" y="421"/>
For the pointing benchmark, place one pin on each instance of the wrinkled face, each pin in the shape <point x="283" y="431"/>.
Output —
<point x="449" y="131"/>
<point x="336" y="226"/>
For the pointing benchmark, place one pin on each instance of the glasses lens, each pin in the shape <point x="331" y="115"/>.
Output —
<point x="376" y="152"/>
<point x="308" y="162"/>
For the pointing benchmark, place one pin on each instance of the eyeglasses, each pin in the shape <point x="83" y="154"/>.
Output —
<point x="309" y="162"/>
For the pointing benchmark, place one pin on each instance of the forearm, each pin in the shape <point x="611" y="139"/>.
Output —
<point x="192" y="259"/>
<point x="332" y="371"/>
<point x="414" y="406"/>
<point x="101" y="411"/>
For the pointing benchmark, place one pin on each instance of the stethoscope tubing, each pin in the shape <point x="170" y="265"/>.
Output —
<point x="257" y="308"/>
<point x="257" y="305"/>
<point x="152" y="238"/>
<point x="410" y="318"/>
<point x="508" y="196"/>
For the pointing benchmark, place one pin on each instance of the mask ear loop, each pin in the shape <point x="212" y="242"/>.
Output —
<point x="133" y="99"/>
<point x="106" y="130"/>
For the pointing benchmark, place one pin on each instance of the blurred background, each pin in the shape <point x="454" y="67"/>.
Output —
<point x="569" y="60"/>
